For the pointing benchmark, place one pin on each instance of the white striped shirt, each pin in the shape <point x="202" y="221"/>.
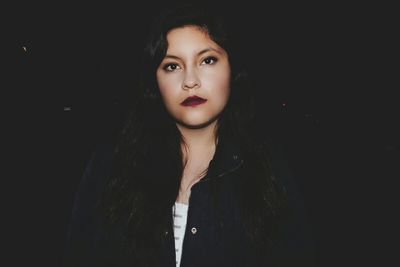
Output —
<point x="179" y="219"/>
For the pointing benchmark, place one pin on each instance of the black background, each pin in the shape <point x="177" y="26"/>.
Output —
<point x="326" y="77"/>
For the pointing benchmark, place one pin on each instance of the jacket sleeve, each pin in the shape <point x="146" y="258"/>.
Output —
<point x="82" y="234"/>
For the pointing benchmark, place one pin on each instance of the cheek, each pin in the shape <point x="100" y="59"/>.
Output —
<point x="162" y="83"/>
<point x="166" y="87"/>
<point x="221" y="84"/>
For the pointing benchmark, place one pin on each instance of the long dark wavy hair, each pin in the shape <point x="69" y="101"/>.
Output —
<point x="147" y="161"/>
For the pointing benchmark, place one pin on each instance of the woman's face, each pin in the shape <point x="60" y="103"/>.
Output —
<point x="194" y="65"/>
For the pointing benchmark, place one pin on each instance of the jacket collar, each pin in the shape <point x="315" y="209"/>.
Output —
<point x="227" y="158"/>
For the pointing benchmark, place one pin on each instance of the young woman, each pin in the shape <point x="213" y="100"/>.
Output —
<point x="190" y="180"/>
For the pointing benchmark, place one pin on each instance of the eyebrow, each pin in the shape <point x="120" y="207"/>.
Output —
<point x="198" y="54"/>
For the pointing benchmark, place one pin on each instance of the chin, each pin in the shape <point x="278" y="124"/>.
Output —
<point x="198" y="124"/>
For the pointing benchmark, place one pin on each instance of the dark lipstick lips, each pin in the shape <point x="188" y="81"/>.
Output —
<point x="193" y="100"/>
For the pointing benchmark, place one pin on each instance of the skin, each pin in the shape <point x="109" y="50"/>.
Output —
<point x="194" y="65"/>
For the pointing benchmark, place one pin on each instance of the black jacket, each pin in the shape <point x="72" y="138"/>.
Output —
<point x="88" y="245"/>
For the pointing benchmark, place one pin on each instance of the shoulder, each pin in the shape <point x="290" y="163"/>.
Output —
<point x="83" y="223"/>
<point x="98" y="166"/>
<point x="94" y="178"/>
<point x="93" y="181"/>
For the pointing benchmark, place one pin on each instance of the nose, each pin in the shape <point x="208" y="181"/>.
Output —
<point x="191" y="80"/>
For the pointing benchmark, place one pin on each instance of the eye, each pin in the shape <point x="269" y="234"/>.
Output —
<point x="171" y="67"/>
<point x="210" y="60"/>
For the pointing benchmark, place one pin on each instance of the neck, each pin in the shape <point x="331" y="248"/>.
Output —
<point x="199" y="140"/>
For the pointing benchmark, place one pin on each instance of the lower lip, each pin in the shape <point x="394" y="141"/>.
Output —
<point x="194" y="103"/>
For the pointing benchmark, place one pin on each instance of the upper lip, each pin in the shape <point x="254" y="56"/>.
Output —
<point x="191" y="98"/>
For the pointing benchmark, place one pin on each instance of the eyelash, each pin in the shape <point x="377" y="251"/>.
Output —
<point x="166" y="66"/>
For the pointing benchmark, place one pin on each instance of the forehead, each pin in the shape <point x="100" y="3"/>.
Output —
<point x="189" y="38"/>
